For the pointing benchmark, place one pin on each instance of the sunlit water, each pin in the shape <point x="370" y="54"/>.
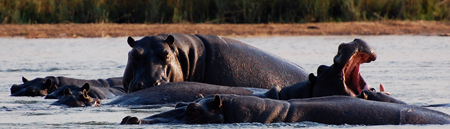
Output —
<point x="415" y="69"/>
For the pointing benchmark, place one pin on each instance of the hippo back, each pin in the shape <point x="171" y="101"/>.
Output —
<point x="176" y="92"/>
<point x="233" y="63"/>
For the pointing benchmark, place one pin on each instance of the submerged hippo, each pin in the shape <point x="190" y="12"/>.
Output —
<point x="93" y="92"/>
<point x="378" y="96"/>
<point x="329" y="110"/>
<point x="44" y="86"/>
<point x="163" y="58"/>
<point x="168" y="93"/>
<point x="171" y="93"/>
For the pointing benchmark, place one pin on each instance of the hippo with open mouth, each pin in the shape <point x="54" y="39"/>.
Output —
<point x="343" y="77"/>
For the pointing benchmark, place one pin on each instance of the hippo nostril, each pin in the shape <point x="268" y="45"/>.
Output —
<point x="140" y="85"/>
<point x="15" y="88"/>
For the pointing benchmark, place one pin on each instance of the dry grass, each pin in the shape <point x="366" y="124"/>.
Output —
<point x="121" y="30"/>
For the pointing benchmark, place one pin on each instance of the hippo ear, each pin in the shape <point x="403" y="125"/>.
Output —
<point x="48" y="83"/>
<point x="312" y="79"/>
<point x="85" y="94"/>
<point x="130" y="41"/>
<point x="217" y="103"/>
<point x="67" y="91"/>
<point x="86" y="87"/>
<point x="170" y="39"/>
<point x="24" y="79"/>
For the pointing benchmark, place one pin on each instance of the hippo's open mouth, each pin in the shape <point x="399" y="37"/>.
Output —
<point x="353" y="81"/>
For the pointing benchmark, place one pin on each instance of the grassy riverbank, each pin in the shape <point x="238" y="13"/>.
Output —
<point x="219" y="11"/>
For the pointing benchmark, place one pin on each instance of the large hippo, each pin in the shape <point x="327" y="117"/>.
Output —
<point x="163" y="58"/>
<point x="94" y="92"/>
<point x="44" y="86"/>
<point x="328" y="110"/>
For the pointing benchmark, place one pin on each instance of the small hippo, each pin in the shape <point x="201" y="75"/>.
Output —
<point x="328" y="110"/>
<point x="44" y="86"/>
<point x="94" y="92"/>
<point x="78" y="100"/>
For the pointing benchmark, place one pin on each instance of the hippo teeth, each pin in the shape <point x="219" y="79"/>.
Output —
<point x="353" y="81"/>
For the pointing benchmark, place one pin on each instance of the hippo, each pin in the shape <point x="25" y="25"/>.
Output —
<point x="44" y="86"/>
<point x="94" y="92"/>
<point x="343" y="76"/>
<point x="175" y="92"/>
<point x="78" y="100"/>
<point x="335" y="110"/>
<point x="164" y="58"/>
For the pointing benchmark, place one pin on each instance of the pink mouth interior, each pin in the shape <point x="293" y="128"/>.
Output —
<point x="353" y="82"/>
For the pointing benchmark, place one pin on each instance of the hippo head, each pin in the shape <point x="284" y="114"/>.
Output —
<point x="75" y="90"/>
<point x="343" y="77"/>
<point x="152" y="61"/>
<point x="67" y="90"/>
<point x="78" y="100"/>
<point x="35" y="87"/>
<point x="205" y="110"/>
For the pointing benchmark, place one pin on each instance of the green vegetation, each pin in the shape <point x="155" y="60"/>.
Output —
<point x="219" y="11"/>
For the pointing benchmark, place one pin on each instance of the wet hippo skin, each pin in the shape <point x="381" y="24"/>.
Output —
<point x="164" y="58"/>
<point x="329" y="110"/>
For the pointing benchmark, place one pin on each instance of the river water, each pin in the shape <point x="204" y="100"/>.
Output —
<point x="415" y="69"/>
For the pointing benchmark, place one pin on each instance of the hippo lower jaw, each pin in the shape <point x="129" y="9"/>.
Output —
<point x="353" y="81"/>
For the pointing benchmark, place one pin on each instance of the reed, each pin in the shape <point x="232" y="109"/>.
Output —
<point x="219" y="11"/>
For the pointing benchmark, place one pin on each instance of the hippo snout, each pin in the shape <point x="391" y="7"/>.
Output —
<point x="140" y="85"/>
<point x="136" y="86"/>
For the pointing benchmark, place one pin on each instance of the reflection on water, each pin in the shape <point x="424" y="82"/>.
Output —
<point x="415" y="69"/>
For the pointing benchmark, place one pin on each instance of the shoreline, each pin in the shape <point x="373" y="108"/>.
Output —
<point x="431" y="28"/>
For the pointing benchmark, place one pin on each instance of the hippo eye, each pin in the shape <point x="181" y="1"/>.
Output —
<point x="136" y="53"/>
<point x="192" y="110"/>
<point x="165" y="56"/>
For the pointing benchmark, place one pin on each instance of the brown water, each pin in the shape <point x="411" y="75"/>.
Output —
<point x="415" y="69"/>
